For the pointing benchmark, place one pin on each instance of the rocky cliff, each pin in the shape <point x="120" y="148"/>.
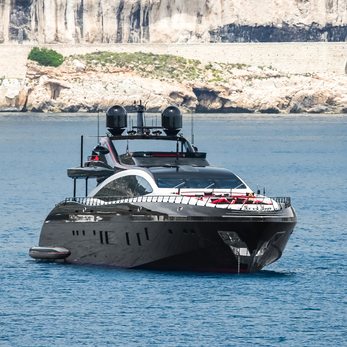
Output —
<point x="106" y="21"/>
<point x="96" y="81"/>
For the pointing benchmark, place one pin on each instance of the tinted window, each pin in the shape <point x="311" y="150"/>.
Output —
<point x="128" y="186"/>
<point x="231" y="182"/>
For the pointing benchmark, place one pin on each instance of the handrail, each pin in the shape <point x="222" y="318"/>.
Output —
<point x="283" y="202"/>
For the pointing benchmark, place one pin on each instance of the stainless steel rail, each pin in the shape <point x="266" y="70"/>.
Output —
<point x="212" y="202"/>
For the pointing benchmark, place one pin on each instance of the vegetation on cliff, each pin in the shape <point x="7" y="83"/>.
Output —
<point x="161" y="66"/>
<point x="46" y="57"/>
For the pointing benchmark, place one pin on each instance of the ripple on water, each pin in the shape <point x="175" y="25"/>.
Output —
<point x="298" y="301"/>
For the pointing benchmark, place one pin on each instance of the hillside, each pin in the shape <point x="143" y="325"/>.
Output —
<point x="95" y="81"/>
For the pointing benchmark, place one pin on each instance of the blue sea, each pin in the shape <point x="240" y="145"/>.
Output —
<point x="301" y="300"/>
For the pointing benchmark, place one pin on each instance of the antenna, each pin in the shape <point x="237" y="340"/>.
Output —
<point x="140" y="117"/>
<point x="81" y="152"/>
<point x="98" y="126"/>
<point x="127" y="149"/>
<point x="192" y="128"/>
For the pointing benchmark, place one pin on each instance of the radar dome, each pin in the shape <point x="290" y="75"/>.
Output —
<point x="171" y="120"/>
<point x="116" y="119"/>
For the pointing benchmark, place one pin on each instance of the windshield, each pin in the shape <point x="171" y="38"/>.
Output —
<point x="231" y="182"/>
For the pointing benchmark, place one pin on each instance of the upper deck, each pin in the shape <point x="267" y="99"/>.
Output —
<point x="151" y="151"/>
<point x="140" y="146"/>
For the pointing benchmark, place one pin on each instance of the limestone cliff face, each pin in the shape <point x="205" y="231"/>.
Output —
<point x="95" y="21"/>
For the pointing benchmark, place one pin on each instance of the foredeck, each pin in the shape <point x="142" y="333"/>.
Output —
<point x="239" y="202"/>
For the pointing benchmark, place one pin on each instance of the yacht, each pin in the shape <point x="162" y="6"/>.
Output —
<point x="159" y="204"/>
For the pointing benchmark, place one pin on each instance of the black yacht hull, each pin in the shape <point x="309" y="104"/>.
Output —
<point x="168" y="236"/>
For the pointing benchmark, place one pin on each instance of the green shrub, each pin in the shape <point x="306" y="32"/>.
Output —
<point x="46" y="57"/>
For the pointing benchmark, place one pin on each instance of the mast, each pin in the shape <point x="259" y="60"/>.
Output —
<point x="140" y="118"/>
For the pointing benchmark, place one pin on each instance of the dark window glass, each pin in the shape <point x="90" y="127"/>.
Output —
<point x="202" y="183"/>
<point x="128" y="186"/>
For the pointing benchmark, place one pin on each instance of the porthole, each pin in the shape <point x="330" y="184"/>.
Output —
<point x="106" y="237"/>
<point x="101" y="238"/>
<point x="127" y="238"/>
<point x="147" y="235"/>
<point x="138" y="238"/>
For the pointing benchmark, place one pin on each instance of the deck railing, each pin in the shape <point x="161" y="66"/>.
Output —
<point x="283" y="200"/>
<point x="214" y="202"/>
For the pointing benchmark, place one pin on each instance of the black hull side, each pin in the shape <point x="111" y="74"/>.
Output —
<point x="221" y="255"/>
<point x="129" y="237"/>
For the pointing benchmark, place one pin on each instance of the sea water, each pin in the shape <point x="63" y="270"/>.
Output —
<point x="298" y="301"/>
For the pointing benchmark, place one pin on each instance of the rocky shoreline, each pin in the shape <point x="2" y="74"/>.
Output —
<point x="93" y="82"/>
